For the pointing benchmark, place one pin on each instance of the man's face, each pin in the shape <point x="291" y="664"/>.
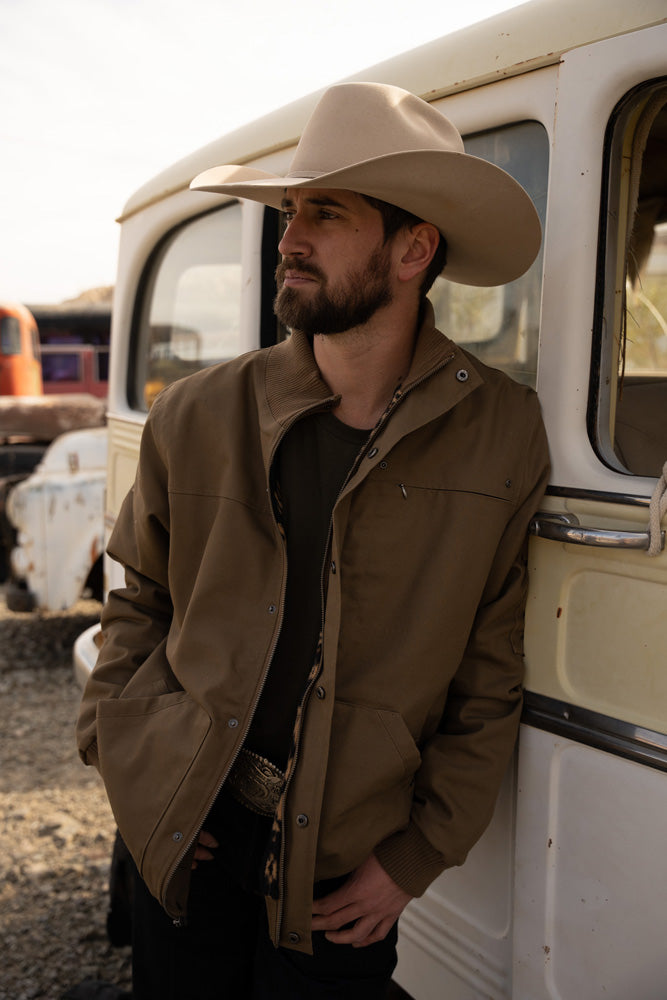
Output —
<point x="335" y="271"/>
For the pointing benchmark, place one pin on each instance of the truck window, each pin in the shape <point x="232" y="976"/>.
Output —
<point x="102" y="364"/>
<point x="10" y="336"/>
<point x="189" y="310"/>
<point x="629" y="423"/>
<point x="61" y="366"/>
<point x="34" y="341"/>
<point x="501" y="325"/>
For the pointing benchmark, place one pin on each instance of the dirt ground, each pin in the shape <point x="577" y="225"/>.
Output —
<point x="56" y="828"/>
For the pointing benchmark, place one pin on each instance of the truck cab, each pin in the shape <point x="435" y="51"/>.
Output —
<point x="20" y="369"/>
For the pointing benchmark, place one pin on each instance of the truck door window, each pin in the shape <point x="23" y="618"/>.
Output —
<point x="189" y="309"/>
<point x="501" y="325"/>
<point x="630" y="419"/>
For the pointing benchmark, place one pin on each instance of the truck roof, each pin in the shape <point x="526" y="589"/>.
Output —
<point x="513" y="42"/>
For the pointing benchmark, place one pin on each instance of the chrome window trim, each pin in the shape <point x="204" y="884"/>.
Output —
<point x="602" y="732"/>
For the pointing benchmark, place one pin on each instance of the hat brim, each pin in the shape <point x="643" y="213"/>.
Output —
<point x="491" y="226"/>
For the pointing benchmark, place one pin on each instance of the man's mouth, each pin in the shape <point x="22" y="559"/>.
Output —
<point x="293" y="279"/>
<point x="295" y="276"/>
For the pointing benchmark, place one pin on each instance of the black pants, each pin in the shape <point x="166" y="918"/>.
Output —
<point x="225" y="953"/>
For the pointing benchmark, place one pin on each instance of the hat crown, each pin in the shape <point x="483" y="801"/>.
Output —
<point x="385" y="143"/>
<point x="357" y="122"/>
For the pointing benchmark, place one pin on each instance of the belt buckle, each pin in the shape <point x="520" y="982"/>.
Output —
<point x="256" y="782"/>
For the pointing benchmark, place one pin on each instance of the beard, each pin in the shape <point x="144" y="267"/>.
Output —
<point x="334" y="310"/>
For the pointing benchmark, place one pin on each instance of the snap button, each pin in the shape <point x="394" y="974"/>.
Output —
<point x="333" y="567"/>
<point x="320" y="692"/>
<point x="272" y="609"/>
<point x="372" y="453"/>
<point x="508" y="483"/>
<point x="383" y="464"/>
<point x="302" y="820"/>
<point x="233" y="723"/>
<point x="177" y="836"/>
<point x="462" y="375"/>
<point x="293" y="937"/>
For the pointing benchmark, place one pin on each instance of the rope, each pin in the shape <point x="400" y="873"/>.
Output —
<point x="657" y="510"/>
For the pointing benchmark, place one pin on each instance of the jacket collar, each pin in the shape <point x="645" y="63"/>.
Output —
<point x="294" y="385"/>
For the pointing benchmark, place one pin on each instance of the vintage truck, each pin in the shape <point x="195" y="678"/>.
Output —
<point x="563" y="898"/>
<point x="58" y="515"/>
<point x="53" y="471"/>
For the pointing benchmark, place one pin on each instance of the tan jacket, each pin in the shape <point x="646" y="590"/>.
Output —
<point x="409" y="727"/>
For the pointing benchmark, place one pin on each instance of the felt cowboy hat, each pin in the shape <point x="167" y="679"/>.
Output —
<point x="384" y="142"/>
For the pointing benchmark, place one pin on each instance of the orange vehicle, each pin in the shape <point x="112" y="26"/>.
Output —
<point x="20" y="368"/>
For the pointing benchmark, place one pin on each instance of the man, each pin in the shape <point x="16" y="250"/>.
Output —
<point x="310" y="687"/>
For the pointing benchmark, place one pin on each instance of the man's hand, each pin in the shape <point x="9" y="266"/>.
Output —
<point x="202" y="852"/>
<point x="370" y="898"/>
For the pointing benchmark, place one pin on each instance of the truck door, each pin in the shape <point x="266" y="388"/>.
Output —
<point x="590" y="863"/>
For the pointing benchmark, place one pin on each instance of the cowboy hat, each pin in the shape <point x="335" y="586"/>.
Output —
<point x="384" y="142"/>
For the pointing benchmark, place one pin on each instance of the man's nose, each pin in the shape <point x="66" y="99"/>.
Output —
<point x="295" y="238"/>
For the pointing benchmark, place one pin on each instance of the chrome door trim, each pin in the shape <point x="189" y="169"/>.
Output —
<point x="620" y="499"/>
<point x="624" y="739"/>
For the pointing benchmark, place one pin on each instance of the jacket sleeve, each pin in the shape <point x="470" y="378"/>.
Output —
<point x="464" y="762"/>
<point x="136" y="618"/>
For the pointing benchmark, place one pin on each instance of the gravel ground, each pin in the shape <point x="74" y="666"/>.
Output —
<point x="56" y="828"/>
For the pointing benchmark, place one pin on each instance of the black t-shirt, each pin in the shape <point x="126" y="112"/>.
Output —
<point x="314" y="460"/>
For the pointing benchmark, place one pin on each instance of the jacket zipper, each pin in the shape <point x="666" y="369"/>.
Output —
<point x="397" y="398"/>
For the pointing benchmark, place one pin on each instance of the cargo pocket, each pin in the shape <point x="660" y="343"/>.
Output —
<point x="146" y="748"/>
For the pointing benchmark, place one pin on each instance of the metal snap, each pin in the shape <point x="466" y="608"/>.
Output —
<point x="302" y="820"/>
<point x="233" y="723"/>
<point x="372" y="453"/>
<point x="293" y="937"/>
<point x="177" y="836"/>
<point x="320" y="692"/>
<point x="462" y="375"/>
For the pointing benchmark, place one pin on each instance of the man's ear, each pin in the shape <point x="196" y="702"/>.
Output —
<point x="421" y="243"/>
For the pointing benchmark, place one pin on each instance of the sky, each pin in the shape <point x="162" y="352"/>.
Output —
<point x="98" y="96"/>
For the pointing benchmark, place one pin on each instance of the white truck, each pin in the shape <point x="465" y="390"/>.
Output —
<point x="58" y="515"/>
<point x="564" y="896"/>
<point x="53" y="464"/>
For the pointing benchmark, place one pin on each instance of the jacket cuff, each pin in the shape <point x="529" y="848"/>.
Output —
<point x="410" y="860"/>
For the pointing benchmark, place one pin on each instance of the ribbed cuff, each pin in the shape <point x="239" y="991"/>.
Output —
<point x="411" y="861"/>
